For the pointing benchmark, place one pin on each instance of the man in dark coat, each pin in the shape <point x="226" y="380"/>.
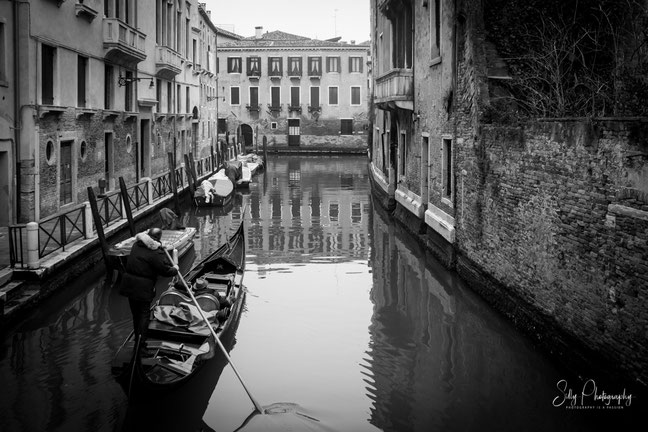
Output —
<point x="146" y="262"/>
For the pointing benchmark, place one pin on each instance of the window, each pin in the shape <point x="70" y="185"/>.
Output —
<point x="222" y="125"/>
<point x="3" y="55"/>
<point x="275" y="66"/>
<point x="187" y="101"/>
<point x="435" y="29"/>
<point x="194" y="55"/>
<point x="294" y="97"/>
<point x="109" y="82"/>
<point x="179" y="98"/>
<point x="446" y="168"/>
<point x="401" y="38"/>
<point x="169" y="97"/>
<point x="355" y="95"/>
<point x="346" y="126"/>
<point x="254" y="97"/>
<point x="275" y="97"/>
<point x="333" y="95"/>
<point x="334" y="211"/>
<point x="233" y="64"/>
<point x="355" y="64"/>
<point x="402" y="154"/>
<point x="273" y="125"/>
<point x="315" y="97"/>
<point x="333" y="64"/>
<point x="47" y="74"/>
<point x="315" y="66"/>
<point x="128" y="92"/>
<point x="235" y="96"/>
<point x="82" y="73"/>
<point x="294" y="66"/>
<point x="254" y="66"/>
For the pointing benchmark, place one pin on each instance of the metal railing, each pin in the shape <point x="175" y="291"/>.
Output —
<point x="138" y="195"/>
<point x="54" y="233"/>
<point x="57" y="231"/>
<point x="161" y="185"/>
<point x="110" y="208"/>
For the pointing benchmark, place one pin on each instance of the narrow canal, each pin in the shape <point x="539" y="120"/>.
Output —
<point x="346" y="315"/>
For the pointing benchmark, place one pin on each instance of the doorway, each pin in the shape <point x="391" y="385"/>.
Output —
<point x="66" y="173"/>
<point x="5" y="189"/>
<point x="293" y="132"/>
<point x="248" y="135"/>
<point x="108" y="160"/>
<point x="145" y="146"/>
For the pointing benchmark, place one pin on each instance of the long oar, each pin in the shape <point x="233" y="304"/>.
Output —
<point x="257" y="405"/>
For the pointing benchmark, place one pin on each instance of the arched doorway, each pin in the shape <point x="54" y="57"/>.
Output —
<point x="247" y="136"/>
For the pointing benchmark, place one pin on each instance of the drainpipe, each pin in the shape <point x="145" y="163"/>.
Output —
<point x="17" y="127"/>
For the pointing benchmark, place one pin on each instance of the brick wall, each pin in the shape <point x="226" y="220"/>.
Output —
<point x="557" y="214"/>
<point x="89" y="168"/>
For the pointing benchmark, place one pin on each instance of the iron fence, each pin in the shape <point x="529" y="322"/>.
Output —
<point x="138" y="195"/>
<point x="110" y="208"/>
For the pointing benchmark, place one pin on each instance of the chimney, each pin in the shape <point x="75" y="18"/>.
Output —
<point x="259" y="31"/>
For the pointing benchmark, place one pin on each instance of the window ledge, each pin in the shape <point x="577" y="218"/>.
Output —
<point x="435" y="61"/>
<point x="43" y="110"/>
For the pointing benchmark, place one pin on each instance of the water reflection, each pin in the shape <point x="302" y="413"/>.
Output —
<point x="346" y="315"/>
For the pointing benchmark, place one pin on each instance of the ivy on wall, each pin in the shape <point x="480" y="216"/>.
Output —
<point x="581" y="58"/>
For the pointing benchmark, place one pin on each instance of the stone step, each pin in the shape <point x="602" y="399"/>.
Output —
<point x="5" y="275"/>
<point x="20" y="299"/>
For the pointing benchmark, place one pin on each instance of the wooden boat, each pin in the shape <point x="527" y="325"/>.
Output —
<point x="178" y="342"/>
<point x="216" y="191"/>
<point x="177" y="242"/>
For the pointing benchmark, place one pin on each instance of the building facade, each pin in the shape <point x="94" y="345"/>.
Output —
<point x="536" y="194"/>
<point x="296" y="92"/>
<point x="97" y="90"/>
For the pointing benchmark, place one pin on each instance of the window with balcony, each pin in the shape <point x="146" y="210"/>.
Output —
<point x="294" y="66"/>
<point x="254" y="99"/>
<point x="275" y="98"/>
<point x="314" y="98"/>
<point x="275" y="66"/>
<point x="314" y="66"/>
<point x="355" y="95"/>
<point x="254" y="66"/>
<point x="233" y="64"/>
<point x="333" y="95"/>
<point x="48" y="61"/>
<point x="400" y="17"/>
<point x="333" y="64"/>
<point x="355" y="64"/>
<point x="295" y="101"/>
<point x="235" y="96"/>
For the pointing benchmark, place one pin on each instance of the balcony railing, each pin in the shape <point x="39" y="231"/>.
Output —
<point x="168" y="63"/>
<point x="252" y="108"/>
<point x="396" y="86"/>
<point x="123" y="42"/>
<point x="296" y="108"/>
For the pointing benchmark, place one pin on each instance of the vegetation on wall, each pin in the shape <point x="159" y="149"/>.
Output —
<point x="582" y="58"/>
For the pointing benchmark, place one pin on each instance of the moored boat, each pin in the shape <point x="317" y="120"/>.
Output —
<point x="178" y="341"/>
<point x="177" y="242"/>
<point x="216" y="191"/>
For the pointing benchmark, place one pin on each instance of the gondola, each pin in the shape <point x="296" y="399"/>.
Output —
<point x="177" y="342"/>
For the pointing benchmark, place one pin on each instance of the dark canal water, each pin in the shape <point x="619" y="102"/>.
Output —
<point x="346" y="316"/>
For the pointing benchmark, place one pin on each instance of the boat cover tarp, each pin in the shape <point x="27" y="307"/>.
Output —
<point x="184" y="315"/>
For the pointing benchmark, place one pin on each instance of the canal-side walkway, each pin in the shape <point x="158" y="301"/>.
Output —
<point x="24" y="285"/>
